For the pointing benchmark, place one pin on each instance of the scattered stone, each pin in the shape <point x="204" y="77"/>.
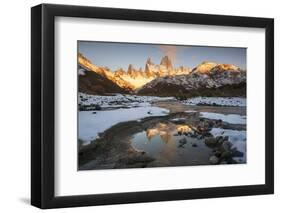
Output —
<point x="217" y="153"/>
<point x="231" y="161"/>
<point x="238" y="154"/>
<point x="97" y="107"/>
<point x="200" y="137"/>
<point x="226" y="138"/>
<point x="220" y="139"/>
<point x="218" y="122"/>
<point x="207" y="134"/>
<point x="194" y="145"/>
<point x="226" y="155"/>
<point x="183" y="141"/>
<point x="210" y="124"/>
<point x="211" y="141"/>
<point x="226" y="146"/>
<point x="135" y="159"/>
<point x="214" y="160"/>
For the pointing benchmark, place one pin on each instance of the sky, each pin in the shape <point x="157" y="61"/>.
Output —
<point x="119" y="55"/>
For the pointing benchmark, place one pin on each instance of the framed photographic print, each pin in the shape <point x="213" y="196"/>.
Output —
<point x="139" y="106"/>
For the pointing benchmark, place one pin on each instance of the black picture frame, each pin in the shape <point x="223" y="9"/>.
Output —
<point x="43" y="102"/>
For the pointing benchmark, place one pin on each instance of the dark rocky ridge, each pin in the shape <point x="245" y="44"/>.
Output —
<point x="221" y="80"/>
<point x="163" y="89"/>
<point x="95" y="84"/>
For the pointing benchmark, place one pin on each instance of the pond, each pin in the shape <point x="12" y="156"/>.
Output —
<point x="170" y="144"/>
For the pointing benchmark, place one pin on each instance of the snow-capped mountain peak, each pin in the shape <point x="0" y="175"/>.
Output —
<point x="207" y="75"/>
<point x="135" y="78"/>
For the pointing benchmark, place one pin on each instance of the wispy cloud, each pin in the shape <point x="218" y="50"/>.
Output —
<point x="169" y="50"/>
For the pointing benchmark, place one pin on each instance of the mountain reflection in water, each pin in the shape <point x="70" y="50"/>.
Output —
<point x="170" y="144"/>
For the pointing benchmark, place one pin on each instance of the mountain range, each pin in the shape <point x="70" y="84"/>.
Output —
<point x="162" y="79"/>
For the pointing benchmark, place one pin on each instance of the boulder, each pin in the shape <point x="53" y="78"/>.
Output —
<point x="214" y="160"/>
<point x="211" y="141"/>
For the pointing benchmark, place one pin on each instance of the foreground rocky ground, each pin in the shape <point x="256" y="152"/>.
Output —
<point x="185" y="138"/>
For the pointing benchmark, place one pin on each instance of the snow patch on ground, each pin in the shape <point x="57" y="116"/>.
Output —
<point x="190" y="111"/>
<point x="81" y="72"/>
<point x="119" y="100"/>
<point x="229" y="118"/>
<point x="91" y="124"/>
<point x="178" y="119"/>
<point x="237" y="138"/>
<point x="221" y="101"/>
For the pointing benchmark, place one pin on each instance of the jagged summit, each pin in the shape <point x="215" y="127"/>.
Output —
<point x="167" y="62"/>
<point x="149" y="61"/>
<point x="120" y="71"/>
<point x="206" y="67"/>
<point x="130" y="68"/>
<point x="135" y="78"/>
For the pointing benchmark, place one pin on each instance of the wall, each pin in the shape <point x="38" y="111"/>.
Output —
<point x="15" y="105"/>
